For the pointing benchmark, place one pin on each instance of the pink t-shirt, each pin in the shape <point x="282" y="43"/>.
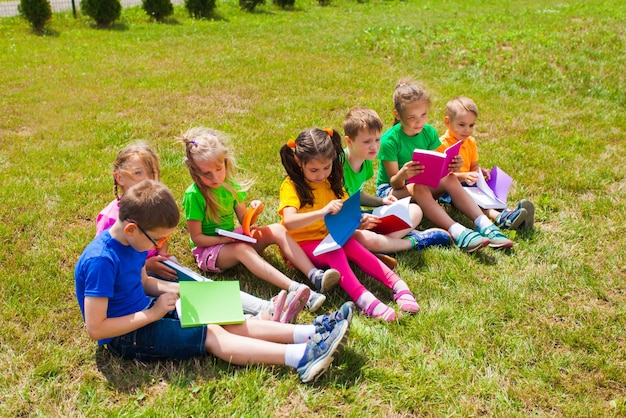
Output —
<point x="107" y="217"/>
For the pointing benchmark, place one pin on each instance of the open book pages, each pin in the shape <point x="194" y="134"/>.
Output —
<point x="393" y="217"/>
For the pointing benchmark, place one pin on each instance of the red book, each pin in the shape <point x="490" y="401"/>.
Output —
<point x="393" y="217"/>
<point x="435" y="164"/>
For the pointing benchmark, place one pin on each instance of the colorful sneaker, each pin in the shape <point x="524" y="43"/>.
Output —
<point x="316" y="300"/>
<point x="276" y="305"/>
<point x="326" y="323"/>
<point x="294" y="303"/>
<point x="326" y="280"/>
<point x="428" y="238"/>
<point x="530" y="210"/>
<point x="470" y="241"/>
<point x="511" y="219"/>
<point x="321" y="350"/>
<point x="387" y="260"/>
<point x="496" y="237"/>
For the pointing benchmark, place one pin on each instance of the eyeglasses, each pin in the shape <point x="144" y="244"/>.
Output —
<point x="157" y="243"/>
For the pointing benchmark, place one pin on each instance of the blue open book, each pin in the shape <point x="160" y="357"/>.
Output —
<point x="341" y="225"/>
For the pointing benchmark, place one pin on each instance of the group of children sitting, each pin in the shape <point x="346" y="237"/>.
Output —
<point x="127" y="295"/>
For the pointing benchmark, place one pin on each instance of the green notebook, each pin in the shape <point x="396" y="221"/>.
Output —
<point x="202" y="303"/>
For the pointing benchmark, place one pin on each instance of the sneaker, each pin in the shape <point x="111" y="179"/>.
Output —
<point x="294" y="303"/>
<point x="470" y="241"/>
<point x="428" y="238"/>
<point x="326" y="323"/>
<point x="276" y="305"/>
<point x="326" y="280"/>
<point x="387" y="260"/>
<point x="321" y="350"/>
<point x="496" y="237"/>
<point x="316" y="300"/>
<point x="511" y="219"/>
<point x="530" y="211"/>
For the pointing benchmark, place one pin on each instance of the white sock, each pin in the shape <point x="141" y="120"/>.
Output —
<point x="312" y="273"/>
<point x="482" y="222"/>
<point x="294" y="354"/>
<point x="456" y="230"/>
<point x="294" y="286"/>
<point x="301" y="333"/>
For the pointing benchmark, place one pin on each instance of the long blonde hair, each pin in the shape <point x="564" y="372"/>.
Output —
<point x="208" y="145"/>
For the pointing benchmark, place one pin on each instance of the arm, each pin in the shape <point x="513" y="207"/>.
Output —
<point x="201" y="240"/>
<point x="99" y="326"/>
<point x="398" y="176"/>
<point x="156" y="287"/>
<point x="369" y="200"/>
<point x="294" y="220"/>
<point x="154" y="265"/>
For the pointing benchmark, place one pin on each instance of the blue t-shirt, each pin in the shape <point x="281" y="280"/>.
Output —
<point x="107" y="268"/>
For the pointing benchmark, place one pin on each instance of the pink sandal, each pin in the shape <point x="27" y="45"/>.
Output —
<point x="295" y="302"/>
<point x="388" y="314"/>
<point x="406" y="301"/>
<point x="278" y="303"/>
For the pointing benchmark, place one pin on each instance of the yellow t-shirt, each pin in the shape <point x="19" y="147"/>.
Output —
<point x="322" y="194"/>
<point x="469" y="150"/>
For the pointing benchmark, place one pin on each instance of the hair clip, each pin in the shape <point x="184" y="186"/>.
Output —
<point x="329" y="131"/>
<point x="193" y="142"/>
<point x="291" y="143"/>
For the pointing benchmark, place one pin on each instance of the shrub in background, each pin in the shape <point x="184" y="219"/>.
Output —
<point x="158" y="9"/>
<point x="104" y="12"/>
<point x="284" y="3"/>
<point x="200" y="8"/>
<point x="37" y="12"/>
<point x="249" y="5"/>
<point x="324" y="2"/>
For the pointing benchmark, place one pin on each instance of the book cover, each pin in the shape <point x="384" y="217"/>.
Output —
<point x="341" y="225"/>
<point x="202" y="303"/>
<point x="484" y="193"/>
<point x="250" y="217"/>
<point x="184" y="273"/>
<point x="435" y="164"/>
<point x="235" y="235"/>
<point x="393" y="217"/>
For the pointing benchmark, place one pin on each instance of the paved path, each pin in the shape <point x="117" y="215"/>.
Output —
<point x="9" y="8"/>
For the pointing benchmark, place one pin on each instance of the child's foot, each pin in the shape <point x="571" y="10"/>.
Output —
<point x="530" y="210"/>
<point x="387" y="260"/>
<point x="377" y="309"/>
<point x="406" y="301"/>
<point x="321" y="350"/>
<point x="294" y="303"/>
<point x="326" y="280"/>
<point x="326" y="323"/>
<point x="276" y="306"/>
<point x="511" y="219"/>
<point x="470" y="241"/>
<point x="316" y="300"/>
<point x="428" y="238"/>
<point x="496" y="237"/>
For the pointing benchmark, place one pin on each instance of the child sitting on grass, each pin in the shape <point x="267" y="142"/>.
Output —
<point x="133" y="314"/>
<point x="460" y="118"/>
<point x="362" y="128"/>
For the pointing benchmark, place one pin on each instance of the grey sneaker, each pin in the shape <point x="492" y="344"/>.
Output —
<point x="326" y="323"/>
<point x="316" y="300"/>
<point x="321" y="350"/>
<point x="326" y="280"/>
<point x="530" y="213"/>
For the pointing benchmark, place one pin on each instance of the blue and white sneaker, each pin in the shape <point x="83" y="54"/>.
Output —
<point x="511" y="219"/>
<point x="496" y="237"/>
<point x="320" y="352"/>
<point x="429" y="238"/>
<point x="326" y="323"/>
<point x="326" y="280"/>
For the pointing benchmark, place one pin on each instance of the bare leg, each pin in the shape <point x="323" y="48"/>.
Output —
<point x="277" y="234"/>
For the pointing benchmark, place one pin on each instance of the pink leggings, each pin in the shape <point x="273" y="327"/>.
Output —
<point x="355" y="252"/>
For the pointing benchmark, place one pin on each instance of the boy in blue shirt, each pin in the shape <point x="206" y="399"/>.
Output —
<point x="133" y="314"/>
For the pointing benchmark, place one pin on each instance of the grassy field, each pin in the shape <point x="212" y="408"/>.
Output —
<point x="538" y="331"/>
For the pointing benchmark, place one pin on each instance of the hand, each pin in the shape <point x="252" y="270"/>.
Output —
<point x="389" y="199"/>
<point x="456" y="164"/>
<point x="486" y="173"/>
<point x="333" y="206"/>
<point x="468" y="178"/>
<point x="369" y="221"/>
<point x="154" y="265"/>
<point x="255" y="204"/>
<point x="410" y="169"/>
<point x="165" y="303"/>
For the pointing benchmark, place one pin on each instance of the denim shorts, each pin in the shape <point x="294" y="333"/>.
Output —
<point x="384" y="190"/>
<point x="163" y="339"/>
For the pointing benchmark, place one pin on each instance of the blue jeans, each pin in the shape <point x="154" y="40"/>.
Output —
<point x="160" y="340"/>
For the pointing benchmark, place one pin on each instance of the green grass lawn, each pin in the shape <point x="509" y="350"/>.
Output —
<point x="538" y="331"/>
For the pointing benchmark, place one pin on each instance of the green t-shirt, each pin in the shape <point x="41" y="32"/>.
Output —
<point x="194" y="206"/>
<point x="354" y="181"/>
<point x="397" y="146"/>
